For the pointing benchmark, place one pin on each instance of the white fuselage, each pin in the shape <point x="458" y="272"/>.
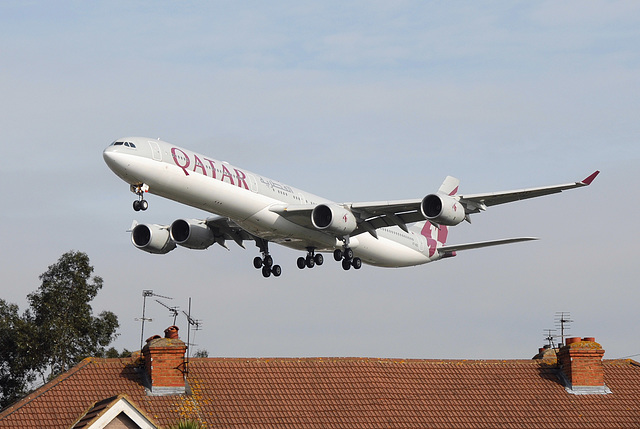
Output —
<point x="246" y="198"/>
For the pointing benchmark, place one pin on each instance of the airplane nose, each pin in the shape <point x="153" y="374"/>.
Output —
<point x="115" y="159"/>
<point x="108" y="156"/>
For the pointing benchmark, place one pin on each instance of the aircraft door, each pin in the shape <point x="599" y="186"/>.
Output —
<point x="155" y="151"/>
<point x="253" y="183"/>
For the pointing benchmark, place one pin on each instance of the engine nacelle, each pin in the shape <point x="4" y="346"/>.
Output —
<point x="152" y="239"/>
<point x="192" y="234"/>
<point x="334" y="219"/>
<point x="442" y="209"/>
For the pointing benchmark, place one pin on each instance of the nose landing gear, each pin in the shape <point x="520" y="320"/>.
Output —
<point x="140" y="203"/>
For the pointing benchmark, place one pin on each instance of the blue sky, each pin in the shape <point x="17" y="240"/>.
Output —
<point x="356" y="101"/>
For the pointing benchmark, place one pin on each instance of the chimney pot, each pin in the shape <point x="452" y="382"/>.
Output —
<point x="153" y="338"/>
<point x="171" y="332"/>
<point x="592" y="339"/>
<point x="573" y="340"/>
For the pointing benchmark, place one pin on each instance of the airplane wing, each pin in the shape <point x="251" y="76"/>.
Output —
<point x="379" y="214"/>
<point x="300" y="214"/>
<point x="225" y="229"/>
<point x="374" y="215"/>
<point x="474" y="203"/>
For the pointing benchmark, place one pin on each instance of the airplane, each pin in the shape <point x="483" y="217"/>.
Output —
<point x="251" y="207"/>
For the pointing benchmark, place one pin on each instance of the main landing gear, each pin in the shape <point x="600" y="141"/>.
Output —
<point x="346" y="256"/>
<point x="266" y="261"/>
<point x="140" y="203"/>
<point x="311" y="260"/>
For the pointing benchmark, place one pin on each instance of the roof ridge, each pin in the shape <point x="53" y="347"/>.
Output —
<point x="361" y="359"/>
<point x="45" y="387"/>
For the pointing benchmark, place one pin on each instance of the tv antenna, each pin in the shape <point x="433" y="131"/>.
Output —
<point x="550" y="336"/>
<point x="146" y="293"/>
<point x="174" y="310"/>
<point x="562" y="322"/>
<point x="197" y="324"/>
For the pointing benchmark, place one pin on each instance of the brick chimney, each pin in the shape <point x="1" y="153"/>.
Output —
<point x="164" y="363"/>
<point x="580" y="362"/>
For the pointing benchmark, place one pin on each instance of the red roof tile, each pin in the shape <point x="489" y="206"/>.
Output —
<point x="345" y="393"/>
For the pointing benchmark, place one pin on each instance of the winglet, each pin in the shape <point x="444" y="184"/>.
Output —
<point x="589" y="179"/>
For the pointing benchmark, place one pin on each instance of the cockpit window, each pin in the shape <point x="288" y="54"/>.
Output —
<point x="127" y="144"/>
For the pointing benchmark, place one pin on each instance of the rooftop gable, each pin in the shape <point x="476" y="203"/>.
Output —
<point x="117" y="408"/>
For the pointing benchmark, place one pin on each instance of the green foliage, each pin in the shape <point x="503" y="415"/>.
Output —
<point x="187" y="424"/>
<point x="67" y="332"/>
<point x="113" y="353"/>
<point x="58" y="329"/>
<point x="201" y="353"/>
<point x="16" y="354"/>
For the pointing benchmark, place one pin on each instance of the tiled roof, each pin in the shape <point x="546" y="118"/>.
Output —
<point x="344" y="393"/>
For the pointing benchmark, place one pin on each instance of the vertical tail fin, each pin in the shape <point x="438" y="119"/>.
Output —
<point x="449" y="186"/>
<point x="435" y="236"/>
<point x="437" y="233"/>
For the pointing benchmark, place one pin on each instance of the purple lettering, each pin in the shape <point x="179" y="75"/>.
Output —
<point x="213" y="167"/>
<point x="175" y="159"/>
<point x="198" y="164"/>
<point x="227" y="173"/>
<point x="242" y="179"/>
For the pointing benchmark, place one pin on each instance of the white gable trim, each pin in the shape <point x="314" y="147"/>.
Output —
<point x="122" y="406"/>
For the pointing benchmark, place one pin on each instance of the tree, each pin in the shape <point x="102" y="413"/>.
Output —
<point x="16" y="356"/>
<point x="60" y="310"/>
<point x="201" y="353"/>
<point x="58" y="329"/>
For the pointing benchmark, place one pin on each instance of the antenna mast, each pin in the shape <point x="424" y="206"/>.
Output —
<point x="550" y="336"/>
<point x="192" y="322"/>
<point x="145" y="294"/>
<point x="173" y="310"/>
<point x="562" y="321"/>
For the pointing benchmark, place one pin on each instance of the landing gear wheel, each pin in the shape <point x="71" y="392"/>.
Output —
<point x="266" y="272"/>
<point x="337" y="255"/>
<point x="276" y="270"/>
<point x="136" y="205"/>
<point x="310" y="261"/>
<point x="301" y="262"/>
<point x="346" y="264"/>
<point x="319" y="259"/>
<point x="144" y="205"/>
<point x="268" y="261"/>
<point x="257" y="262"/>
<point x="357" y="263"/>
<point x="348" y="253"/>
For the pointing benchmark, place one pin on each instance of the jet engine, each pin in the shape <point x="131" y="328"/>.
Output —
<point x="442" y="209"/>
<point x="333" y="218"/>
<point x="193" y="234"/>
<point x="152" y="238"/>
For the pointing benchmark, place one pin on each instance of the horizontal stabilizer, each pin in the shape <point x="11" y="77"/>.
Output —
<point x="458" y="247"/>
<point x="133" y="225"/>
